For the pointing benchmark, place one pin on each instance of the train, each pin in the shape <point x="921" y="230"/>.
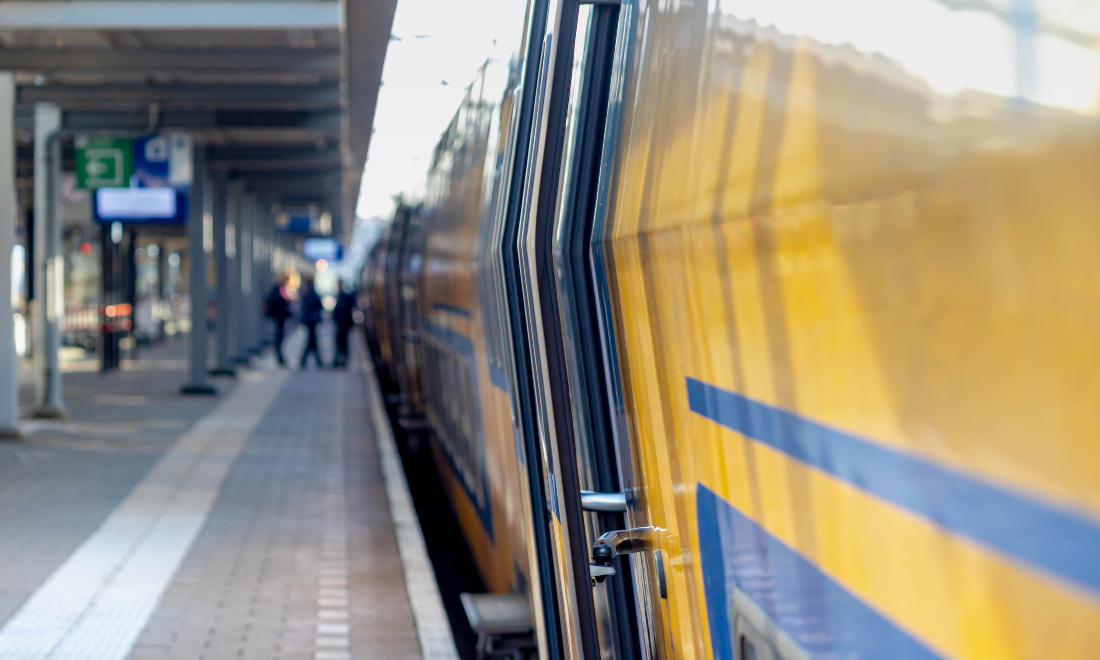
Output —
<point x="767" y="330"/>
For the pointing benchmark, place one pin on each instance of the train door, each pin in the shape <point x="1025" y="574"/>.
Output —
<point x="366" y="302"/>
<point x="378" y="306"/>
<point x="508" y="303"/>
<point x="408" y="279"/>
<point x="577" y="621"/>
<point x="573" y="414"/>
<point x="395" y="258"/>
<point x="603" y="472"/>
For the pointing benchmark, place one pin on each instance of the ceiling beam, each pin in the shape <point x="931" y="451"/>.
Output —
<point x="234" y="152"/>
<point x="322" y="183"/>
<point x="189" y="60"/>
<point x="325" y="164"/>
<point x="330" y="202"/>
<point x="170" y="15"/>
<point x="211" y="96"/>
<point x="268" y="136"/>
<point x="245" y="159"/>
<point x="139" y="119"/>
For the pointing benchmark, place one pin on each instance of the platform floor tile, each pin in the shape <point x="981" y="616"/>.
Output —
<point x="297" y="558"/>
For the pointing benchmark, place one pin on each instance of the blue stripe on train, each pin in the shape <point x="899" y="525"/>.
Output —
<point x="1031" y="531"/>
<point x="456" y="341"/>
<point x="452" y="309"/>
<point x="498" y="378"/>
<point x="818" y="614"/>
<point x="463" y="346"/>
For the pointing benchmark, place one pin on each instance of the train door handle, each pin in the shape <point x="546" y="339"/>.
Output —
<point x="622" y="542"/>
<point x="603" y="502"/>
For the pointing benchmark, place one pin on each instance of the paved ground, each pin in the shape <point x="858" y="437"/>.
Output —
<point x="60" y="482"/>
<point x="249" y="525"/>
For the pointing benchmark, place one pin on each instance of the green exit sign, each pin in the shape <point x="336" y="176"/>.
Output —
<point x="103" y="162"/>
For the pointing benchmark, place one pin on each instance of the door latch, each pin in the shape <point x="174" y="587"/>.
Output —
<point x="605" y="502"/>
<point x="622" y="542"/>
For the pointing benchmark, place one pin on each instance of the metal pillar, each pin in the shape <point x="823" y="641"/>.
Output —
<point x="255" y="319"/>
<point x="259" y="277"/>
<point x="196" y="255"/>
<point x="162" y="301"/>
<point x="108" y="282"/>
<point x="243" y="282"/>
<point x="222" y="201"/>
<point x="266" y="279"/>
<point x="48" y="262"/>
<point x="9" y="212"/>
<point x="268" y="272"/>
<point x="244" y="255"/>
<point x="271" y="245"/>
<point x="236" y="291"/>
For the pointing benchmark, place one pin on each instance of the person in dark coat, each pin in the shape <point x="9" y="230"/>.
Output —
<point x="309" y="315"/>
<point x="344" y="317"/>
<point x="277" y="307"/>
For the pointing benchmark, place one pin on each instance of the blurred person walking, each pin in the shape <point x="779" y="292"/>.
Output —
<point x="344" y="317"/>
<point x="309" y="315"/>
<point x="277" y="307"/>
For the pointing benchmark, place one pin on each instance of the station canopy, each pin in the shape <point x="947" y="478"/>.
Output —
<point x="284" y="91"/>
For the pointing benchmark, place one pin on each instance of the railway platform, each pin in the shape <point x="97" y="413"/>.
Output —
<point x="270" y="521"/>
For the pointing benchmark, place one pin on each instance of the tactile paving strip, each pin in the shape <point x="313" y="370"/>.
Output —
<point x="298" y="559"/>
<point x="95" y="604"/>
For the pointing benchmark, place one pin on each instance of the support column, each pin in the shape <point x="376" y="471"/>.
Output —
<point x="272" y="244"/>
<point x="108" y="281"/>
<point x="9" y="212"/>
<point x="268" y="271"/>
<point x="196" y="257"/>
<point x="244" y="259"/>
<point x="233" y="277"/>
<point x="129" y="290"/>
<point x="223" y="366"/>
<point x="255" y="319"/>
<point x="162" y="274"/>
<point x="259" y="277"/>
<point x="49" y="283"/>
<point x="236" y="292"/>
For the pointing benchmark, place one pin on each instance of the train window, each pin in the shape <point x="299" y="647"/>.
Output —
<point x="748" y="651"/>
<point x="452" y="409"/>
<point x="752" y="644"/>
<point x="756" y="635"/>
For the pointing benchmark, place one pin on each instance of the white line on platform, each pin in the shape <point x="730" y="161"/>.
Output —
<point x="437" y="642"/>
<point x="332" y="641"/>
<point x="97" y="602"/>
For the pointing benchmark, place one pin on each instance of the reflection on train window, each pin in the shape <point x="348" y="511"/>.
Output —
<point x="452" y="409"/>
<point x="748" y="651"/>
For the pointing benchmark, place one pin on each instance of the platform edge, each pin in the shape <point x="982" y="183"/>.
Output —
<point x="433" y="629"/>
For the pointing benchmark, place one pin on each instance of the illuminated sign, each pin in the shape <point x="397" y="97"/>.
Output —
<point x="148" y="205"/>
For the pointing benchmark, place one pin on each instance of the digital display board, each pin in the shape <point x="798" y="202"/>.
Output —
<point x="328" y="249"/>
<point x="140" y="205"/>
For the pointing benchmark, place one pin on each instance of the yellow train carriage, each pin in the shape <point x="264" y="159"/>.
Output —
<point x="379" y="331"/>
<point x="798" y="301"/>
<point x="461" y="386"/>
<point x="855" y="297"/>
<point x="475" y="453"/>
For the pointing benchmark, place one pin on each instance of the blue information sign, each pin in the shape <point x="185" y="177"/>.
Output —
<point x="159" y="186"/>
<point x="139" y="205"/>
<point x="163" y="161"/>
<point x="328" y="249"/>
